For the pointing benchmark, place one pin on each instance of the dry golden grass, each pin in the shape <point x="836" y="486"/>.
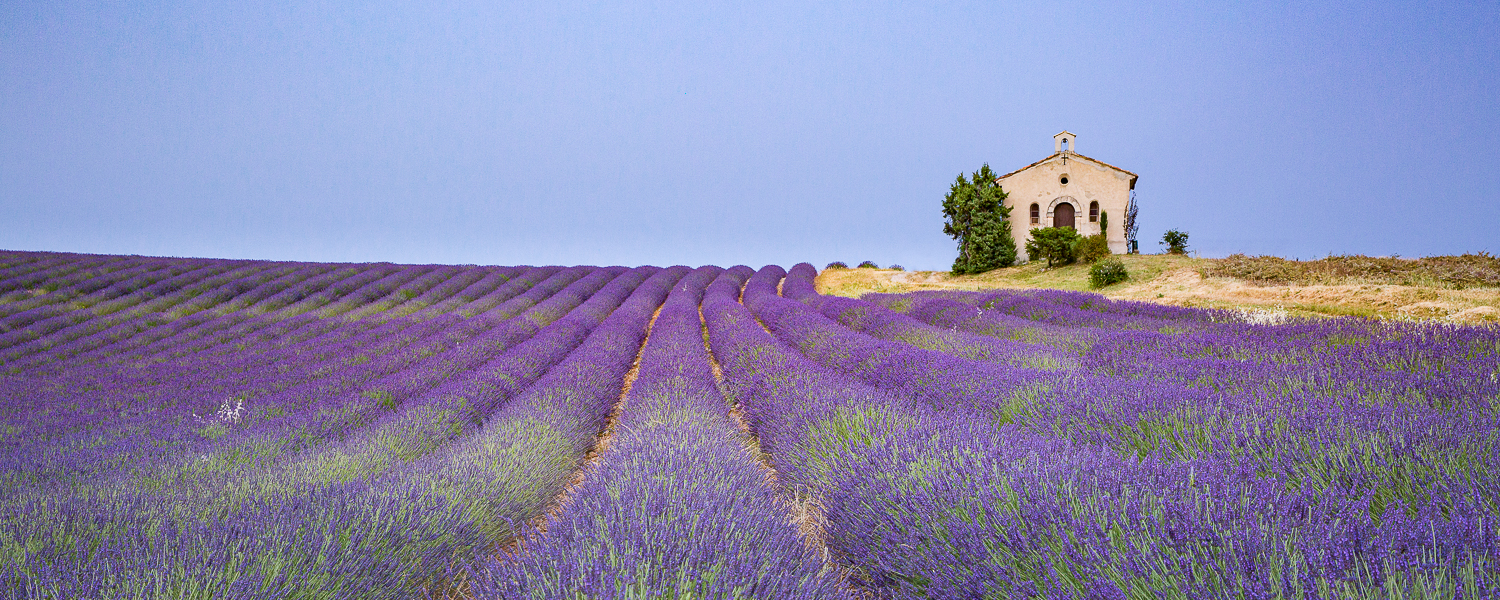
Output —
<point x="1457" y="272"/>
<point x="1181" y="281"/>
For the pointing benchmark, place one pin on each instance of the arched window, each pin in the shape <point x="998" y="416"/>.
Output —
<point x="1094" y="212"/>
<point x="1065" y="145"/>
<point x="1036" y="213"/>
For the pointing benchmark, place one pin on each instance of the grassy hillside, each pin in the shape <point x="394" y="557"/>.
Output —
<point x="1460" y="289"/>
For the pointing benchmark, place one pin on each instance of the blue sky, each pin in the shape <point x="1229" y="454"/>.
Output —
<point x="722" y="133"/>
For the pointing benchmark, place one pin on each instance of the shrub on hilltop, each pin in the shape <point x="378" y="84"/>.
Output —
<point x="1175" y="241"/>
<point x="1092" y="248"/>
<point x="1056" y="245"/>
<point x="1107" y="272"/>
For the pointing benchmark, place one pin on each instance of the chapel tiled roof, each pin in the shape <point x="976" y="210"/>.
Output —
<point x="1133" y="176"/>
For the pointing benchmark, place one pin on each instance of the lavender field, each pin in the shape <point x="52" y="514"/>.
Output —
<point x="197" y="428"/>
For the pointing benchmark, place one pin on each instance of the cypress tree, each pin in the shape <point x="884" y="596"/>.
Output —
<point x="976" y="215"/>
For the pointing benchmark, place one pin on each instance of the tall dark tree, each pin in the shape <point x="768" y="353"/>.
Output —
<point x="975" y="215"/>
<point x="1131" y="226"/>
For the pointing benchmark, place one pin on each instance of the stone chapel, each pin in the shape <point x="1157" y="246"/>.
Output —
<point x="1068" y="189"/>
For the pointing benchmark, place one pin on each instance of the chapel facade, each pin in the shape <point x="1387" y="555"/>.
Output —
<point x="1068" y="189"/>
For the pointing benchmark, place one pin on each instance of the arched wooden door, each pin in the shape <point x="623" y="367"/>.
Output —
<point x="1062" y="216"/>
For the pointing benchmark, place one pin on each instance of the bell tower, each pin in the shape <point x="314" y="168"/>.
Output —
<point x="1065" y="142"/>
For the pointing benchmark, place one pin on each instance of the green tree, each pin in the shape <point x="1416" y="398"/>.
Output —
<point x="1058" y="245"/>
<point x="975" y="215"/>
<point x="1175" y="241"/>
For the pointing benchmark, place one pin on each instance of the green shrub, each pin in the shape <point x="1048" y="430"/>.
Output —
<point x="896" y="268"/>
<point x="1053" y="244"/>
<point x="838" y="264"/>
<point x="1175" y="241"/>
<point x="869" y="264"/>
<point x="1092" y="248"/>
<point x="1107" y="272"/>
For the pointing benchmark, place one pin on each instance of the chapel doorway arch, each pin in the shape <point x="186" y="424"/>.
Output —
<point x="1063" y="216"/>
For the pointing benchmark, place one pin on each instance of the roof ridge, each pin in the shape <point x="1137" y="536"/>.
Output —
<point x="1056" y="154"/>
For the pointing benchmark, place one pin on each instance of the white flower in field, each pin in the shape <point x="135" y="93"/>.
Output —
<point x="227" y="413"/>
<point x="1253" y="316"/>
